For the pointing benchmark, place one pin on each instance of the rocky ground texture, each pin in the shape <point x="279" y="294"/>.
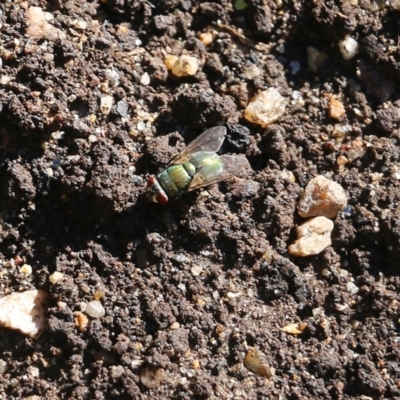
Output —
<point x="200" y="298"/>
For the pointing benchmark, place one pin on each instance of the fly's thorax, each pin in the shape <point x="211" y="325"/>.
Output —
<point x="190" y="168"/>
<point x="175" y="179"/>
<point x="209" y="163"/>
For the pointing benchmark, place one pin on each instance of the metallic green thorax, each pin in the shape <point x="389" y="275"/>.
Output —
<point x="177" y="178"/>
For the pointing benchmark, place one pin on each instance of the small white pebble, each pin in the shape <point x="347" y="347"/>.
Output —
<point x="232" y="295"/>
<point x="5" y="79"/>
<point x="79" y="24"/>
<point x="26" y="270"/>
<point x="113" y="74"/>
<point x="116" y="371"/>
<point x="23" y="311"/>
<point x="140" y="126"/>
<point x="182" y="287"/>
<point x="55" y="277"/>
<point x="265" y="108"/>
<point x="95" y="309"/>
<point x="106" y="104"/>
<point x="348" y="47"/>
<point x="57" y="135"/>
<point x="352" y="288"/>
<point x="196" y="270"/>
<point x="33" y="371"/>
<point x="296" y="95"/>
<point x="145" y="79"/>
<point x="92" y="138"/>
<point x="182" y="66"/>
<point x="136" y="363"/>
<point x="313" y="236"/>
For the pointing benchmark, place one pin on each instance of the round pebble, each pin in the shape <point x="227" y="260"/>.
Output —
<point x="55" y="277"/>
<point x="348" y="47"/>
<point x="116" y="371"/>
<point x="265" y="108"/>
<point x="95" y="309"/>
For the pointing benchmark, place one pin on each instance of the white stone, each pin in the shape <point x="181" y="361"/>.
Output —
<point x="352" y="288"/>
<point x="145" y="79"/>
<point x="265" y="108"/>
<point x="24" y="312"/>
<point x="116" y="371"/>
<point x="55" y="277"/>
<point x="26" y="270"/>
<point x="106" y="103"/>
<point x="313" y="237"/>
<point x="348" y="47"/>
<point x="182" y="66"/>
<point x="95" y="309"/>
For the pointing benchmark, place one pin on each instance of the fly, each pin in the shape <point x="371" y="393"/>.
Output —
<point x="198" y="165"/>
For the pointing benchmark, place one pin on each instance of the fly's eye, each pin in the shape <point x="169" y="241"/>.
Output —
<point x="151" y="181"/>
<point x="161" y="198"/>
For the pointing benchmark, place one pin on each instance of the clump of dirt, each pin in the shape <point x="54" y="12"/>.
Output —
<point x="190" y="288"/>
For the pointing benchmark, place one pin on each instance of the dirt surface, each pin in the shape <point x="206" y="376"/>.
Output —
<point x="190" y="288"/>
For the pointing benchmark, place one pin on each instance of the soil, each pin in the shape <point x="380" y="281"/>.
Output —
<point x="191" y="287"/>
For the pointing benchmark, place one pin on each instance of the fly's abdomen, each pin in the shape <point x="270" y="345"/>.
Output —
<point x="175" y="179"/>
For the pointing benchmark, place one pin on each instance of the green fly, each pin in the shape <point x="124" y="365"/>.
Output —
<point x="197" y="166"/>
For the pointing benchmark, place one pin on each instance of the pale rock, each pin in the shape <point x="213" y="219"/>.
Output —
<point x="79" y="24"/>
<point x="56" y="277"/>
<point x="348" y="47"/>
<point x="196" y="270"/>
<point x="24" y="312"/>
<point x="206" y="38"/>
<point x="145" y="79"/>
<point x="39" y="28"/>
<point x="352" y="288"/>
<point x="26" y="270"/>
<point x="265" y="108"/>
<point x="95" y="309"/>
<point x="106" y="103"/>
<point x="312" y="237"/>
<point x="116" y="371"/>
<point x="322" y="197"/>
<point x="182" y="66"/>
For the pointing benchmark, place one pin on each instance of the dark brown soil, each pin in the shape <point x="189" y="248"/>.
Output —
<point x="72" y="184"/>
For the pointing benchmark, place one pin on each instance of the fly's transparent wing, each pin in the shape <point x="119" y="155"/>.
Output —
<point x="218" y="169"/>
<point x="210" y="140"/>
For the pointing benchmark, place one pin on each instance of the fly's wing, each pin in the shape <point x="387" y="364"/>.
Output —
<point x="218" y="169"/>
<point x="210" y="140"/>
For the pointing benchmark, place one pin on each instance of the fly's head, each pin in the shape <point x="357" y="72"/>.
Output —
<point x="155" y="192"/>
